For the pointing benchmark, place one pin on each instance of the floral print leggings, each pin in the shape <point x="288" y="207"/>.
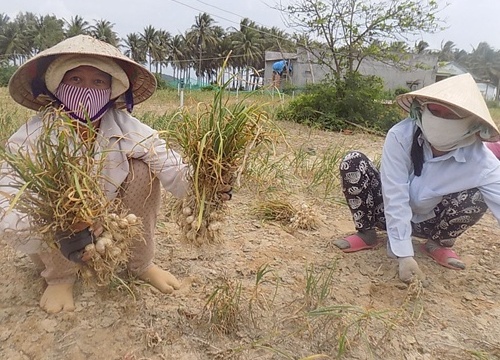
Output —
<point x="363" y="191"/>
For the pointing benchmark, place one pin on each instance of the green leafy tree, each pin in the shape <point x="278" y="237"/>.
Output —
<point x="351" y="30"/>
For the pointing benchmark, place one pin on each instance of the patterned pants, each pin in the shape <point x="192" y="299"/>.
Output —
<point x="363" y="191"/>
<point x="141" y="194"/>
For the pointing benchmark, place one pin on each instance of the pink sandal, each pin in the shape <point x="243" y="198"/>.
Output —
<point x="441" y="256"/>
<point x="357" y="243"/>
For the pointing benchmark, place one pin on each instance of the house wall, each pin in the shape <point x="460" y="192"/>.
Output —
<point x="422" y="70"/>
<point x="488" y="90"/>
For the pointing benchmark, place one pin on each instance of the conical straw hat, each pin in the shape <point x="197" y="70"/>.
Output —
<point x="143" y="83"/>
<point x="460" y="93"/>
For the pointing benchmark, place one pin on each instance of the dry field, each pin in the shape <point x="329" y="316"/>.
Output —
<point x="269" y="290"/>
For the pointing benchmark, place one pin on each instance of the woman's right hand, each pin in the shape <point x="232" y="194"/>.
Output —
<point x="409" y="270"/>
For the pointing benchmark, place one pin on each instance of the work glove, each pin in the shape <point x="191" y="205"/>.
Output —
<point x="72" y="244"/>
<point x="409" y="270"/>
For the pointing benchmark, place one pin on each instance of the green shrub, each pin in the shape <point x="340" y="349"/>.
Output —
<point x="6" y="72"/>
<point x="401" y="90"/>
<point x="492" y="104"/>
<point x="343" y="103"/>
<point x="160" y="82"/>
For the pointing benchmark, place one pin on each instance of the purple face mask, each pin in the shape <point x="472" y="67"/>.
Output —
<point x="84" y="103"/>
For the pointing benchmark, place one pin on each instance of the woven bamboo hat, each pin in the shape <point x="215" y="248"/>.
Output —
<point x="461" y="94"/>
<point x="27" y="85"/>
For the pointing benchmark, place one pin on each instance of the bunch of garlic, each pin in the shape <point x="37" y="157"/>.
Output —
<point x="305" y="218"/>
<point x="195" y="232"/>
<point x="111" y="248"/>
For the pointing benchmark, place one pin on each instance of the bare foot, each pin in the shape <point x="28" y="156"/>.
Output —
<point x="160" y="279"/>
<point x="58" y="297"/>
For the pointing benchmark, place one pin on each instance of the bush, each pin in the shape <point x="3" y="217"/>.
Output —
<point x="160" y="82"/>
<point x="400" y="91"/>
<point x="492" y="104"/>
<point x="6" y="72"/>
<point x="340" y="103"/>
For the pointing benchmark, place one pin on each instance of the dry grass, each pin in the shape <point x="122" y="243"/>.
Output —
<point x="286" y="213"/>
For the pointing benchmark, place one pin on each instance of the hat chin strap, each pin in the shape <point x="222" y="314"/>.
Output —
<point x="129" y="99"/>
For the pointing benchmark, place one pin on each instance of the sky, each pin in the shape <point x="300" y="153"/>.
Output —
<point x="468" y="22"/>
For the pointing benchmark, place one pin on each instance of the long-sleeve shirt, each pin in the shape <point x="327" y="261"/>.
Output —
<point x="410" y="198"/>
<point x="120" y="137"/>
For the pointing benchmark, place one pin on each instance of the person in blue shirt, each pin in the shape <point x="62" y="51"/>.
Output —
<point x="279" y="67"/>
<point x="436" y="178"/>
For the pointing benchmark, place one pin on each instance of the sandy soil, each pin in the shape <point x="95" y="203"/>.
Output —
<point x="269" y="292"/>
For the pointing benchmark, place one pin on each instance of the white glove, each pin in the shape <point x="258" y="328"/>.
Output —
<point x="408" y="270"/>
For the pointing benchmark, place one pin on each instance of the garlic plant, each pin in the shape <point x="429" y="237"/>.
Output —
<point x="216" y="141"/>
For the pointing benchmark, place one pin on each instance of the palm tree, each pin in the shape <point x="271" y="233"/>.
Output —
<point x="275" y="39"/>
<point x="21" y="37"/>
<point x="103" y="30"/>
<point x="202" y="37"/>
<point x="76" y="26"/>
<point x="421" y="47"/>
<point x="4" y="20"/>
<point x="484" y="62"/>
<point x="161" y="50"/>
<point x="46" y="31"/>
<point x="247" y="45"/>
<point x="149" y="38"/>
<point x="179" y="55"/>
<point x="10" y="43"/>
<point x="447" y="51"/>
<point x="135" y="48"/>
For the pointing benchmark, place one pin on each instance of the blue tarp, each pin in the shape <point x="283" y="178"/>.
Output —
<point x="282" y="65"/>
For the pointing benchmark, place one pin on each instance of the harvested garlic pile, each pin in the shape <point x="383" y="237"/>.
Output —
<point x="111" y="248"/>
<point x="305" y="219"/>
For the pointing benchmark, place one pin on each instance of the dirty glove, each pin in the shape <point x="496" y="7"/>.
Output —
<point x="408" y="270"/>
<point x="72" y="245"/>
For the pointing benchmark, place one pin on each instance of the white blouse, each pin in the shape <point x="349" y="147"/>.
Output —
<point x="412" y="198"/>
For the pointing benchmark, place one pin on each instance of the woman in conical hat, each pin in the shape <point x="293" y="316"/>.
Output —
<point x="91" y="81"/>
<point x="436" y="180"/>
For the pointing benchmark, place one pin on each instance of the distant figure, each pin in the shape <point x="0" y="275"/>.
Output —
<point x="282" y="66"/>
<point x="279" y="68"/>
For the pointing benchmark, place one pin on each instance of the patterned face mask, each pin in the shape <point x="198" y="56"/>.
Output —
<point x="84" y="104"/>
